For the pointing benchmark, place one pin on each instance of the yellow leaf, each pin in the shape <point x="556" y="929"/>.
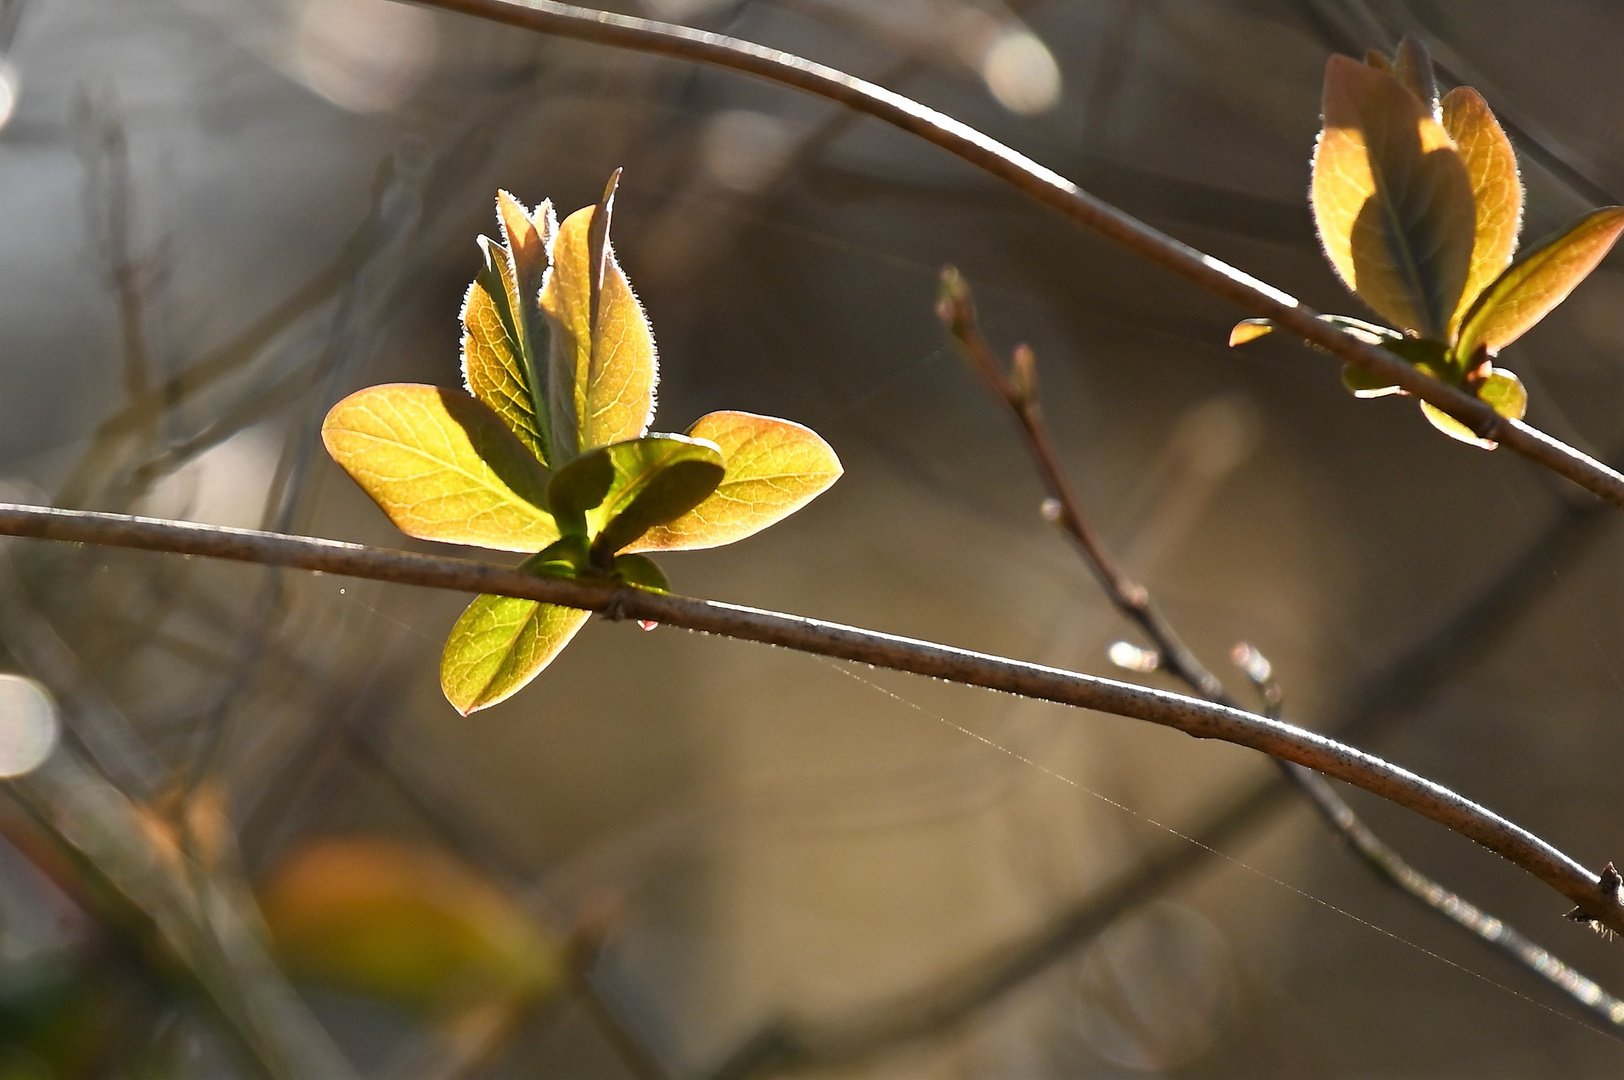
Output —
<point x="773" y="468"/>
<point x="442" y="466"/>
<point x="498" y="645"/>
<point x="1538" y="281"/>
<point x="403" y="922"/>
<point x="1250" y="330"/>
<point x="1497" y="191"/>
<point x="602" y="381"/>
<point x="1392" y="199"/>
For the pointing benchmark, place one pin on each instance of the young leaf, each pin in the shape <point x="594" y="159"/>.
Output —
<point x="1505" y="394"/>
<point x="642" y="571"/>
<point x="1412" y="67"/>
<point x="442" y="466"/>
<point x="1249" y="330"/>
<point x="774" y="467"/>
<point x="1453" y="428"/>
<point x="624" y="489"/>
<point x="505" y="336"/>
<point x="1538" y="281"/>
<point x="499" y="644"/>
<point x="1391" y="199"/>
<point x="603" y="367"/>
<point x="1497" y="191"/>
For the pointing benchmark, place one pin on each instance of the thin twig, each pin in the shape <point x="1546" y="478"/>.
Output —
<point x="1016" y="388"/>
<point x="1055" y="191"/>
<point x="1201" y="719"/>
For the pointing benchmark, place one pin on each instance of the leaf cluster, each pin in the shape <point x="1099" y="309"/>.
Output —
<point x="1418" y="205"/>
<point x="549" y="451"/>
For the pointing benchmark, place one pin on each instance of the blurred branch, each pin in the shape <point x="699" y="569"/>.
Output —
<point x="1052" y="190"/>
<point x="1016" y="388"/>
<point x="1201" y="719"/>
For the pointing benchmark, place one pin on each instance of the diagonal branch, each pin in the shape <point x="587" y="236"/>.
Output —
<point x="1016" y="389"/>
<point x="1195" y="717"/>
<point x="1053" y="190"/>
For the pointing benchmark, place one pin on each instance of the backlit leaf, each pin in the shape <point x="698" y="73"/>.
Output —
<point x="1452" y="427"/>
<point x="1249" y="330"/>
<point x="601" y="383"/>
<point x="505" y="336"/>
<point x="442" y="466"/>
<point x="499" y="644"/>
<point x="627" y="488"/>
<point x="1505" y="394"/>
<point x="1497" y="191"/>
<point x="774" y="467"/>
<point x="642" y="571"/>
<point x="405" y="923"/>
<point x="1540" y="279"/>
<point x="1392" y="199"/>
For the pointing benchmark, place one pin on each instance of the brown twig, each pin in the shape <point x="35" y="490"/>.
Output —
<point x="1201" y="719"/>
<point x="1016" y="388"/>
<point x="1055" y="191"/>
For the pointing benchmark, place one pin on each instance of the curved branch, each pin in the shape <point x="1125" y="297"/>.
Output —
<point x="1053" y="190"/>
<point x="1201" y="719"/>
<point x="1017" y="390"/>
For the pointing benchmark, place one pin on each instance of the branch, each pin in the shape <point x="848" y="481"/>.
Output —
<point x="1053" y="190"/>
<point x="1201" y="719"/>
<point x="1016" y="389"/>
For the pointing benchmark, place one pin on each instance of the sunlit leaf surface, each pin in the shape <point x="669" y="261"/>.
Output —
<point x="442" y="466"/>
<point x="505" y="338"/>
<point x="602" y="383"/>
<point x="1392" y="199"/>
<point x="1452" y="427"/>
<point x="1505" y="393"/>
<point x="1540" y="279"/>
<point x="404" y="923"/>
<point x="499" y="644"/>
<point x="774" y="467"/>
<point x="1497" y="191"/>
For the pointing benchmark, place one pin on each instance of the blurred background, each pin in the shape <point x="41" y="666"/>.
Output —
<point x="246" y="836"/>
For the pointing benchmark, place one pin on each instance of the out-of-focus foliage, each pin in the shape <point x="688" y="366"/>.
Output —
<point x="405" y="923"/>
<point x="560" y="360"/>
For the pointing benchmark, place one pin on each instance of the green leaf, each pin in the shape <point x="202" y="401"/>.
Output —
<point x="1453" y="428"/>
<point x="1539" y="280"/>
<point x="500" y="643"/>
<point x="1505" y="394"/>
<point x="624" y="489"/>
<point x="642" y="571"/>
<point x="774" y="467"/>
<point x="1392" y="199"/>
<point x="505" y="336"/>
<point x="1497" y="191"/>
<point x="602" y="365"/>
<point x="442" y="466"/>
